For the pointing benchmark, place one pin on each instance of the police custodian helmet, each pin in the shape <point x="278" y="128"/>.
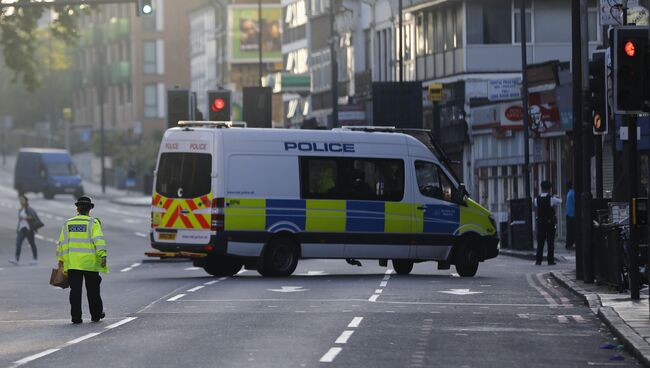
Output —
<point x="84" y="201"/>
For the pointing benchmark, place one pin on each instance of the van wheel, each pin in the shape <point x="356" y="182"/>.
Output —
<point x="222" y="266"/>
<point x="466" y="259"/>
<point x="402" y="266"/>
<point x="280" y="258"/>
<point x="48" y="194"/>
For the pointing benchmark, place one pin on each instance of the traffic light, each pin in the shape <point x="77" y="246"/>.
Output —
<point x="630" y="87"/>
<point x="178" y="106"/>
<point x="598" y="92"/>
<point x="219" y="105"/>
<point x="144" y="7"/>
<point x="257" y="109"/>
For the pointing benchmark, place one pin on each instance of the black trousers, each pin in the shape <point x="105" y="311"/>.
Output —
<point x="545" y="234"/>
<point x="20" y="238"/>
<point x="570" y="240"/>
<point x="93" y="280"/>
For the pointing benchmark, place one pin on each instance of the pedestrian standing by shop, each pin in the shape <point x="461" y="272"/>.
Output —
<point x="570" y="215"/>
<point x="546" y="222"/>
<point x="28" y="224"/>
<point x="81" y="251"/>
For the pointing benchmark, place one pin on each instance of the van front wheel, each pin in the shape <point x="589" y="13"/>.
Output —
<point x="466" y="260"/>
<point x="402" y="267"/>
<point x="222" y="266"/>
<point x="280" y="258"/>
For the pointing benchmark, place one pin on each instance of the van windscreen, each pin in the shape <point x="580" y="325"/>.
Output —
<point x="61" y="168"/>
<point x="184" y="175"/>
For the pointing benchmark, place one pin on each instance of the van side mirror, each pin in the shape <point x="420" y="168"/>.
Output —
<point x="461" y="194"/>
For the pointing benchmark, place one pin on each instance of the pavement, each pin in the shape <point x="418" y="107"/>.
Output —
<point x="629" y="320"/>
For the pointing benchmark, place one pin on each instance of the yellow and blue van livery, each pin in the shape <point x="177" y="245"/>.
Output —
<point x="265" y="198"/>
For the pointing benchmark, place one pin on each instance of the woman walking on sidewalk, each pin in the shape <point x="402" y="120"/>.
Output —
<point x="28" y="223"/>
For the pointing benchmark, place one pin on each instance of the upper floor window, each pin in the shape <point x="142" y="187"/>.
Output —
<point x="149" y="57"/>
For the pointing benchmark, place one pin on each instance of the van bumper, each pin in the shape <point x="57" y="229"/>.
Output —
<point x="218" y="245"/>
<point x="491" y="247"/>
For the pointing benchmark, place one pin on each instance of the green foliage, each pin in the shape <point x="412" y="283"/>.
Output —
<point x="19" y="41"/>
<point x="138" y="153"/>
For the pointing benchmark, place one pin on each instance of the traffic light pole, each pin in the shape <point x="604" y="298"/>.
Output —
<point x="586" y="131"/>
<point x="259" y="40"/>
<point x="576" y="66"/>
<point x="526" y="119"/>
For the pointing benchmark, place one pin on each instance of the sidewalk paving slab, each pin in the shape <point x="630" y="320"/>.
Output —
<point x="627" y="319"/>
<point x="561" y="253"/>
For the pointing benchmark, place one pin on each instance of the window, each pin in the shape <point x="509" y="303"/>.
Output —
<point x="184" y="175"/>
<point x="367" y="179"/>
<point x="433" y="182"/>
<point x="149" y="57"/>
<point x="516" y="15"/>
<point x="489" y="23"/>
<point x="150" y="101"/>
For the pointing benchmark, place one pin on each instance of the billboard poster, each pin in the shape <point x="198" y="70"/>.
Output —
<point x="244" y="31"/>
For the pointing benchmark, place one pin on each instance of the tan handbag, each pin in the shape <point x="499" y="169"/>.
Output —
<point x="59" y="279"/>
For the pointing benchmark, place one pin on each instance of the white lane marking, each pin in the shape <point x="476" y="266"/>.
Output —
<point x="211" y="282"/>
<point x="562" y="319"/>
<point x="132" y="221"/>
<point x="389" y="271"/>
<point x="355" y="322"/>
<point x="120" y="323"/>
<point x="373" y="298"/>
<point x="175" y="298"/>
<point x="548" y="285"/>
<point x="379" y="291"/>
<point x="82" y="338"/>
<point x="387" y="277"/>
<point x="142" y="235"/>
<point x="546" y="295"/>
<point x="196" y="288"/>
<point x="34" y="357"/>
<point x="345" y="336"/>
<point x="383" y="284"/>
<point x="455" y="275"/>
<point x="241" y="271"/>
<point x="126" y="269"/>
<point x="192" y="268"/>
<point x="289" y="289"/>
<point x="52" y="240"/>
<point x="39" y="237"/>
<point x="330" y="355"/>
<point x="460" y="292"/>
<point x="222" y="278"/>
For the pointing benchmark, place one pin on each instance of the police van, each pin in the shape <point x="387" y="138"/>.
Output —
<point x="265" y="198"/>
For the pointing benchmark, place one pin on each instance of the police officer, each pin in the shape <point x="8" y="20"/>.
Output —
<point x="81" y="252"/>
<point x="546" y="221"/>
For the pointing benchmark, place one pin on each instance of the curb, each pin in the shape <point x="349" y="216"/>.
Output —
<point x="527" y="255"/>
<point x="634" y="343"/>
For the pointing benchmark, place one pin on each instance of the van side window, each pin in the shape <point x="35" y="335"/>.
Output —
<point x="433" y="182"/>
<point x="367" y="179"/>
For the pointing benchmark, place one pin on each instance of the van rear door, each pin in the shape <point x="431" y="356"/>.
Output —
<point x="183" y="195"/>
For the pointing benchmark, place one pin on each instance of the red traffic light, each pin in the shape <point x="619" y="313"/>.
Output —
<point x="218" y="105"/>
<point x="630" y="48"/>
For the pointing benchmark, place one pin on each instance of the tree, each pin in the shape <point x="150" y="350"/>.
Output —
<point x="19" y="41"/>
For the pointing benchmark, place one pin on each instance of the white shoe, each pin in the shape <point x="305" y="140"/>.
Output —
<point x="13" y="261"/>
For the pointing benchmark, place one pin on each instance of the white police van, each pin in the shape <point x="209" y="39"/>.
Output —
<point x="265" y="198"/>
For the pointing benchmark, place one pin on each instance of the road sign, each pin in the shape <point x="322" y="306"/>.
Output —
<point x="504" y="89"/>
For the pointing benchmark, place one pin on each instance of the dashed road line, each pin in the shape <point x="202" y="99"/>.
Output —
<point x="356" y="321"/>
<point x="142" y="235"/>
<point x="47" y="352"/>
<point x="127" y="269"/>
<point x="196" y="288"/>
<point x="330" y="355"/>
<point x="382" y="284"/>
<point x="344" y="337"/>
<point x="373" y="298"/>
<point x="211" y="282"/>
<point x="176" y="297"/>
<point x="192" y="268"/>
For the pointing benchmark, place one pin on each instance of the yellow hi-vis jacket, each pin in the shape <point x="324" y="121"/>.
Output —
<point x="81" y="244"/>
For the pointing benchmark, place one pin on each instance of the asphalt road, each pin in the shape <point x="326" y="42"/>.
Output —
<point x="169" y="314"/>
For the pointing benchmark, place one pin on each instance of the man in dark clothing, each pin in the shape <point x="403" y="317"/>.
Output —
<point x="546" y="221"/>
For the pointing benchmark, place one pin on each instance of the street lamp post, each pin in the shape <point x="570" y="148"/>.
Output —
<point x="524" y="100"/>
<point x="334" y="66"/>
